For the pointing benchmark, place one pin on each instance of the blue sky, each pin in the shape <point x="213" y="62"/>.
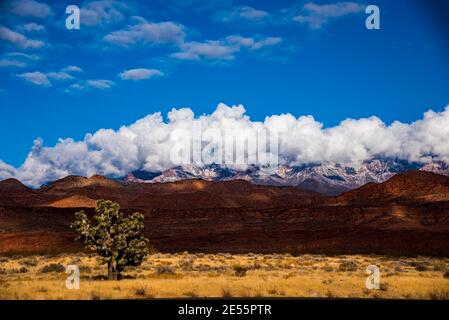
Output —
<point x="134" y="58"/>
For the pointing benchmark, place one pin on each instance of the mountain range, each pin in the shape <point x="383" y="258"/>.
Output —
<point x="407" y="214"/>
<point x="329" y="179"/>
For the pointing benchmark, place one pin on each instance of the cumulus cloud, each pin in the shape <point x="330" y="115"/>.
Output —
<point x="222" y="49"/>
<point x="139" y="74"/>
<point x="11" y="63"/>
<point x="241" y="13"/>
<point x="29" y="8"/>
<point x="43" y="79"/>
<point x="37" y="78"/>
<point x="148" y="143"/>
<point x="72" y="69"/>
<point x="25" y="56"/>
<point x="100" y="84"/>
<point x="17" y="59"/>
<point x="147" y="33"/>
<point x="32" y="27"/>
<point x="315" y="16"/>
<point x="19" y="39"/>
<point x="60" y="75"/>
<point x="102" y="12"/>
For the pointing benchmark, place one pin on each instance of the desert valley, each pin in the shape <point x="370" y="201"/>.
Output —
<point x="234" y="238"/>
<point x="408" y="215"/>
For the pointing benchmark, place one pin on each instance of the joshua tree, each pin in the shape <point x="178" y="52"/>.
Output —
<point x="115" y="237"/>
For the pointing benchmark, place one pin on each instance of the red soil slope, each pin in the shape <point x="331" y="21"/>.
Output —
<point x="408" y="214"/>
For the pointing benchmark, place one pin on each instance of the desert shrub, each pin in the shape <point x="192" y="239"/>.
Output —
<point x="75" y="260"/>
<point x="3" y="271"/>
<point x="421" y="267"/>
<point x="29" y="262"/>
<point x="398" y="268"/>
<point x="255" y="266"/>
<point x="11" y="271"/>
<point x="53" y="267"/>
<point x="440" y="266"/>
<point x="203" y="267"/>
<point x="141" y="291"/>
<point x="446" y="274"/>
<point x="3" y="259"/>
<point x="161" y="270"/>
<point x="239" y="271"/>
<point x="384" y="286"/>
<point x="226" y="293"/>
<point x="275" y="290"/>
<point x="439" y="294"/>
<point x="327" y="268"/>
<point x="348" y="265"/>
<point x="23" y="270"/>
<point x="270" y="267"/>
<point x="186" y="264"/>
<point x="190" y="294"/>
<point x="85" y="269"/>
<point x="95" y="295"/>
<point x="97" y="277"/>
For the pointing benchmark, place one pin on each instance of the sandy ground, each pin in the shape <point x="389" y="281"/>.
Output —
<point x="227" y="275"/>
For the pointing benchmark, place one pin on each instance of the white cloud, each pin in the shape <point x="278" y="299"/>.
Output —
<point x="72" y="69"/>
<point x="315" y="16"/>
<point x="11" y="63"/>
<point x="222" y="49"/>
<point x="241" y="13"/>
<point x="60" y="75"/>
<point x="139" y="74"/>
<point x="29" y="8"/>
<point x="25" y="56"/>
<point x="148" y="33"/>
<point x="147" y="143"/>
<point x="43" y="79"/>
<point x="17" y="59"/>
<point x="102" y="12"/>
<point x="75" y="86"/>
<point x="19" y="39"/>
<point x="32" y="27"/>
<point x="252" y="43"/>
<point x="100" y="84"/>
<point x="37" y="78"/>
<point x="209" y="50"/>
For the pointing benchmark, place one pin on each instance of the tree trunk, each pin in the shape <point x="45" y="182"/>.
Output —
<point x="112" y="270"/>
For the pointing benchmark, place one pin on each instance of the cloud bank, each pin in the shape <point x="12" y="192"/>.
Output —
<point x="147" y="143"/>
<point x="315" y="16"/>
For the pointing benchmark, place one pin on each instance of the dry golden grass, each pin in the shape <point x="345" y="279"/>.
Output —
<point x="220" y="275"/>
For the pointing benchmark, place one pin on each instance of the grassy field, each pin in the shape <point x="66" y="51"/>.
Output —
<point x="225" y="275"/>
